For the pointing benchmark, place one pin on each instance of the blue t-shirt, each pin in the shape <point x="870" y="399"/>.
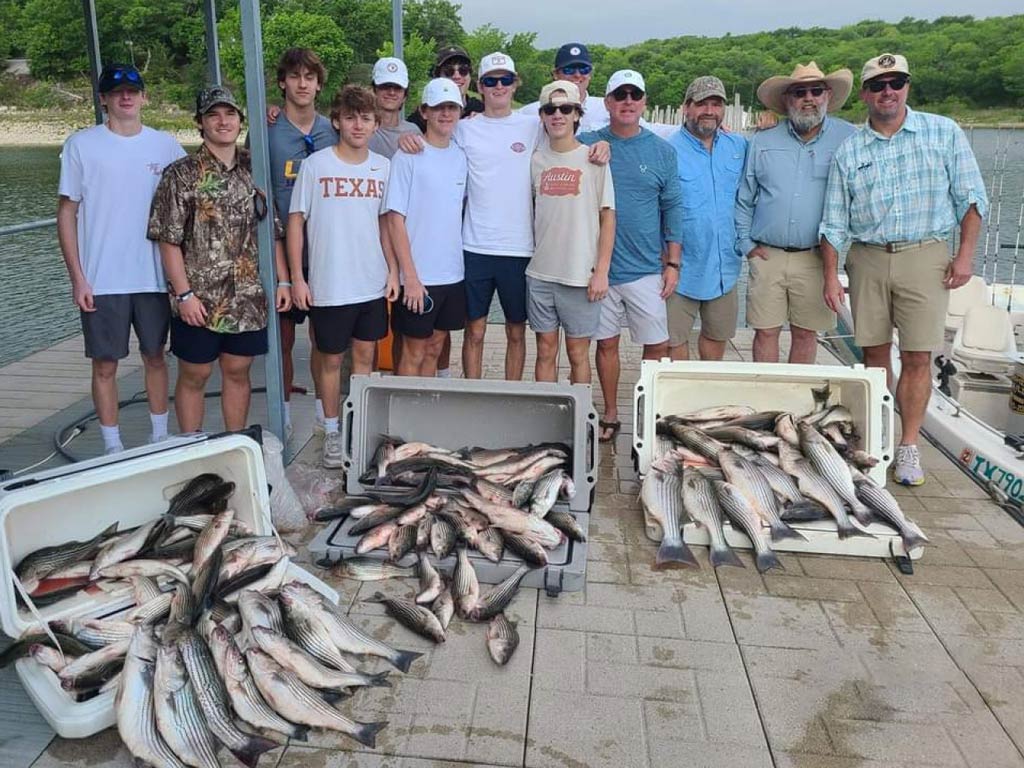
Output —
<point x="648" y="202"/>
<point x="287" y="151"/>
<point x="709" y="180"/>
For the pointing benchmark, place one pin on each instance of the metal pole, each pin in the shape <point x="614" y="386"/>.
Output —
<point x="212" y="44"/>
<point x="256" y="103"/>
<point x="92" y="43"/>
<point x="397" y="35"/>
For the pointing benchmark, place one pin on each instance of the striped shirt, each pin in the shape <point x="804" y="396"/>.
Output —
<point x="916" y="185"/>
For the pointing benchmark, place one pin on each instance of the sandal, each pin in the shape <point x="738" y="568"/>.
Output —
<point x="614" y="426"/>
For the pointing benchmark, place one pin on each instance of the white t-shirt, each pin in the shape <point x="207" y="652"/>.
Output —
<point x="428" y="189"/>
<point x="499" y="209"/>
<point x="569" y="194"/>
<point x="342" y="204"/>
<point x="113" y="179"/>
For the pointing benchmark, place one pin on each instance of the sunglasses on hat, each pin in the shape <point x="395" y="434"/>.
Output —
<point x="895" y="83"/>
<point x="127" y="75"/>
<point x="307" y="140"/>
<point x="800" y="92"/>
<point x="489" y="81"/>
<point x="565" y="109"/>
<point x="620" y="94"/>
<point x="572" y="69"/>
<point x="449" y="70"/>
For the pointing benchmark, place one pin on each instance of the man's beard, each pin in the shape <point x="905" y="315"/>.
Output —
<point x="805" y="121"/>
<point x="703" y="129"/>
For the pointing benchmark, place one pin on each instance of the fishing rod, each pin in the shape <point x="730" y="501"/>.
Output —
<point x="1016" y="253"/>
<point x="988" y="224"/>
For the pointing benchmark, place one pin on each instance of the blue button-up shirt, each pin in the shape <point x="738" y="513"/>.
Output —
<point x="711" y="263"/>
<point x="915" y="185"/>
<point x="782" y="191"/>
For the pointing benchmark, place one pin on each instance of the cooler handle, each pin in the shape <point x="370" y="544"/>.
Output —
<point x="638" y="423"/>
<point x="346" y="431"/>
<point x="592" y="444"/>
<point x="886" y="426"/>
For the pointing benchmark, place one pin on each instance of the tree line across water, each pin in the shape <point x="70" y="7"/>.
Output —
<point x="957" y="62"/>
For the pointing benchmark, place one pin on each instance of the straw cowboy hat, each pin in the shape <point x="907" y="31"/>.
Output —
<point x="772" y="91"/>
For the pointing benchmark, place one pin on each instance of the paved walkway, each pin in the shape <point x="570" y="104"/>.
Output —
<point x="833" y="663"/>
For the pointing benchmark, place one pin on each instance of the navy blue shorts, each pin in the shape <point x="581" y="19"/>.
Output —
<point x="506" y="274"/>
<point x="201" y="345"/>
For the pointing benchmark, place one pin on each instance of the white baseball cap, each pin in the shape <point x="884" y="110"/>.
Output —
<point x="494" y="62"/>
<point x="390" y="70"/>
<point x="625" y="77"/>
<point x="441" y="90"/>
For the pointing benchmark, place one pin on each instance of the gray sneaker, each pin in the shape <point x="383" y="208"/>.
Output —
<point x="318" y="427"/>
<point x="906" y="469"/>
<point x="333" y="455"/>
<point x="110" y="450"/>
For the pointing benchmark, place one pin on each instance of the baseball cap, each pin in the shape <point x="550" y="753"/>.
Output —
<point x="572" y="53"/>
<point x="560" y="92"/>
<point x="208" y="98"/>
<point x="449" y="52"/>
<point x="704" y="88"/>
<point x="390" y="70"/>
<point x="441" y="90"/>
<point x="118" y="76"/>
<point x="496" y="62"/>
<point x="884" y="64"/>
<point x="625" y="77"/>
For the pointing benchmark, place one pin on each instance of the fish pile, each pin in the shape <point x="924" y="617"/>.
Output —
<point x="762" y="470"/>
<point x="220" y="649"/>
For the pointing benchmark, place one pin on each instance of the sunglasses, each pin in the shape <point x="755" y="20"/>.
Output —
<point x="565" y="109"/>
<point x="129" y="75"/>
<point x="572" y="69"/>
<point x="453" y="69"/>
<point x="814" y="90"/>
<point x="896" y="84"/>
<point x="310" y="146"/>
<point x="489" y="81"/>
<point x="620" y="94"/>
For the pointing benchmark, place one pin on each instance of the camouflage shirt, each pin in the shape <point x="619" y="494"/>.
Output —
<point x="211" y="212"/>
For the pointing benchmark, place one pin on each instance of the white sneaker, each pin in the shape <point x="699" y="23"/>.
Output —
<point x="318" y="427"/>
<point x="153" y="440"/>
<point x="334" y="457"/>
<point x="289" y="432"/>
<point x="906" y="469"/>
<point x="110" y="450"/>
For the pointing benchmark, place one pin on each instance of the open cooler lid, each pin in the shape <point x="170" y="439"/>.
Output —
<point x="132" y="488"/>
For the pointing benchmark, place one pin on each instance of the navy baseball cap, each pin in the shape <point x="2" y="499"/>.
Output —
<point x="120" y="76"/>
<point x="572" y="53"/>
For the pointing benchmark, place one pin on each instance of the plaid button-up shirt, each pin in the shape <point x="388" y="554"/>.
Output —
<point x="916" y="185"/>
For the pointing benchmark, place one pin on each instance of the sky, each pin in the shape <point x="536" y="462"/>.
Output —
<point x="606" y="21"/>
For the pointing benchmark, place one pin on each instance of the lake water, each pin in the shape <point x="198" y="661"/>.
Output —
<point x="35" y="294"/>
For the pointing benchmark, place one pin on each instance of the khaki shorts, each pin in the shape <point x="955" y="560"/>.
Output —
<point x="901" y="289"/>
<point x="717" y="317"/>
<point x="788" y="287"/>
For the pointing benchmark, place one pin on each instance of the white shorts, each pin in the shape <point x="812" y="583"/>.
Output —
<point x="639" y="303"/>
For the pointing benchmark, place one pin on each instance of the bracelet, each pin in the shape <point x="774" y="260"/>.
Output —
<point x="671" y="264"/>
<point x="284" y="284"/>
<point x="183" y="297"/>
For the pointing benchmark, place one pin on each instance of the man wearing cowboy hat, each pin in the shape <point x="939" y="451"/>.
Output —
<point x="778" y="209"/>
<point x="897" y="189"/>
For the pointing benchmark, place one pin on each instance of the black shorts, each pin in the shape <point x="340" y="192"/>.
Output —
<point x="337" y="326"/>
<point x="201" y="345"/>
<point x="108" y="328"/>
<point x="448" y="312"/>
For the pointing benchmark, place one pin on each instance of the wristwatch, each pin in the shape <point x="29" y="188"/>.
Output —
<point x="181" y="298"/>
<point x="671" y="264"/>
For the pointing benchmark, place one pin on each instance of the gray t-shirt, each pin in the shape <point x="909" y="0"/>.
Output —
<point x="385" y="140"/>
<point x="288" y="149"/>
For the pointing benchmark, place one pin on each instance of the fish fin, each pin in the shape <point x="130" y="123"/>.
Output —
<point x="853" y="529"/>
<point x="912" y="536"/>
<point x="367" y="733"/>
<point x="403" y="659"/>
<point x="767" y="560"/>
<point x="672" y="553"/>
<point x="335" y="695"/>
<point x="863" y="514"/>
<point x="379" y="681"/>
<point x="249" y="755"/>
<point x="301" y="732"/>
<point x="111" y="529"/>
<point x="781" y="530"/>
<point x="725" y="557"/>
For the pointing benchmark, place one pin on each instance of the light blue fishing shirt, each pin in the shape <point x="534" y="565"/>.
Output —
<point x="782" y="191"/>
<point x="648" y="203"/>
<point x="709" y="180"/>
<point x="916" y="185"/>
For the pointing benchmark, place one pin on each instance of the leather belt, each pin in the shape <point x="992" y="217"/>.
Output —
<point x="903" y="245"/>
<point x="790" y="250"/>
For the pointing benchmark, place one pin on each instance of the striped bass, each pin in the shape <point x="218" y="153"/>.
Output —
<point x="662" y="497"/>
<point x="831" y="466"/>
<point x="502" y="639"/>
<point x="815" y="487"/>
<point x="748" y="480"/>
<point x="736" y="505"/>
<point x="308" y="669"/>
<point x="701" y="504"/>
<point x="37" y="565"/>
<point x="883" y="504"/>
<point x="411" y="616"/>
<point x="178" y="717"/>
<point x="495" y="601"/>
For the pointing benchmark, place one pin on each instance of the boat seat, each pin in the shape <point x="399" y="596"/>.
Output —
<point x="973" y="293"/>
<point x="985" y="341"/>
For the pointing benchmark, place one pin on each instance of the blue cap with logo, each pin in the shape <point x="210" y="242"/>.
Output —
<point x="572" y="53"/>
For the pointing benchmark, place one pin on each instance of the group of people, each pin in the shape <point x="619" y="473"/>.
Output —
<point x="580" y="215"/>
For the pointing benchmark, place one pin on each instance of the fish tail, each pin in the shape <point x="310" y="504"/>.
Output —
<point x="379" y="681"/>
<point x="781" y="530"/>
<point x="725" y="556"/>
<point x="249" y="755"/>
<point x="852" y="529"/>
<point x="912" y="536"/>
<point x="403" y="660"/>
<point x="674" y="551"/>
<point x="863" y="514"/>
<point x="767" y="560"/>
<point x="366" y="734"/>
<point x="335" y="695"/>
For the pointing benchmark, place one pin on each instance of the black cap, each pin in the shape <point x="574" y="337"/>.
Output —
<point x="208" y="98"/>
<point x="572" y="53"/>
<point x="447" y="53"/>
<point x="118" y="76"/>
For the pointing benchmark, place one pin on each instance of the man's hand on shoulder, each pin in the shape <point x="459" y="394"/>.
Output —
<point x="273" y="112"/>
<point x="600" y="153"/>
<point x="411" y="143"/>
